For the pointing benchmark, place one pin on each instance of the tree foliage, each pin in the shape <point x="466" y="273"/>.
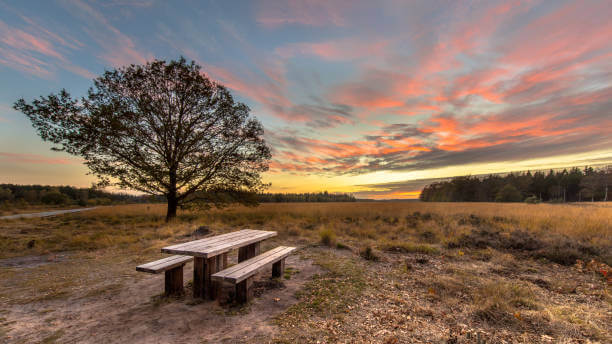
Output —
<point x="572" y="185"/>
<point x="509" y="193"/>
<point x="12" y="196"/>
<point x="162" y="128"/>
<point x="306" y="197"/>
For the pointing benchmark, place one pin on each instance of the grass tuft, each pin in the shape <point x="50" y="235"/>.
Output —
<point x="328" y="236"/>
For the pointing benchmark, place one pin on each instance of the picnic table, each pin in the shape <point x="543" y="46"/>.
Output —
<point x="210" y="255"/>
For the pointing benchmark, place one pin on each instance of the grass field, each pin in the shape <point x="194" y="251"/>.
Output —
<point x="387" y="272"/>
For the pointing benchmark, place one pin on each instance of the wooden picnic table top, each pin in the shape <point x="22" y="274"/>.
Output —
<point x="213" y="246"/>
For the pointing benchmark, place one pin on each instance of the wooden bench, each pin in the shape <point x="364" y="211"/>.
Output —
<point x="211" y="255"/>
<point x="173" y="268"/>
<point x="241" y="274"/>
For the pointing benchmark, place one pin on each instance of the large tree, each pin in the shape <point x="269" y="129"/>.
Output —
<point x="162" y="128"/>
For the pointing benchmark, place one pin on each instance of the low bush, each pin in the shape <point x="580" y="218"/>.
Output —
<point x="558" y="249"/>
<point x="328" y="236"/>
<point x="532" y="200"/>
<point x="368" y="254"/>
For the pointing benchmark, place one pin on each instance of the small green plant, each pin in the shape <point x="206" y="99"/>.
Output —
<point x="328" y="236"/>
<point x="532" y="200"/>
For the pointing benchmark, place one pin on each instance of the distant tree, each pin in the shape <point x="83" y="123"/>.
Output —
<point x="159" y="128"/>
<point x="6" y="194"/>
<point x="589" y="185"/>
<point x="606" y="181"/>
<point x="509" y="193"/>
<point x="54" y="197"/>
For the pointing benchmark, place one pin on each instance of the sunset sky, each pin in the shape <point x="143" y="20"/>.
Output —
<point x="362" y="97"/>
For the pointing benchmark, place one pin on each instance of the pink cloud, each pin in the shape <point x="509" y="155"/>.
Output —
<point x="35" y="53"/>
<point x="337" y="50"/>
<point x="22" y="40"/>
<point x="272" y="14"/>
<point x="24" y="62"/>
<point x="117" y="48"/>
<point x="573" y="30"/>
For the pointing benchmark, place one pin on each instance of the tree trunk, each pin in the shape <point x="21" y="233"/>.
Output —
<point x="172" y="205"/>
<point x="172" y="196"/>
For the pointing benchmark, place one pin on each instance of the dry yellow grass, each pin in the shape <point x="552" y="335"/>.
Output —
<point x="366" y="223"/>
<point x="412" y="277"/>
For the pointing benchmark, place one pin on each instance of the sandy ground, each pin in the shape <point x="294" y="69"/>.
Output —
<point x="136" y="313"/>
<point x="45" y="213"/>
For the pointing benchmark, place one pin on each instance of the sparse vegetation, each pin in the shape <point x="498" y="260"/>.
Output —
<point x="415" y="270"/>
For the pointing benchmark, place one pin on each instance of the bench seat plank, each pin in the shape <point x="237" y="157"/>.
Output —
<point x="164" y="264"/>
<point x="248" y="268"/>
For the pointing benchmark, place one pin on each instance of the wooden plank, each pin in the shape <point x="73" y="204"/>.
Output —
<point x="251" y="269"/>
<point x="228" y="247"/>
<point x="206" y="250"/>
<point x="164" y="264"/>
<point x="250" y="261"/>
<point x="203" y="247"/>
<point x="244" y="270"/>
<point x="213" y="239"/>
<point x="161" y="263"/>
<point x="209" y="240"/>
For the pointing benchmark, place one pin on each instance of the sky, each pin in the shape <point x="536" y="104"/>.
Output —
<point x="375" y="98"/>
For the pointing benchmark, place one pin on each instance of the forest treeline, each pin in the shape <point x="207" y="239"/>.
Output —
<point x="306" y="197"/>
<point x="23" y="195"/>
<point x="573" y="185"/>
<point x="12" y="195"/>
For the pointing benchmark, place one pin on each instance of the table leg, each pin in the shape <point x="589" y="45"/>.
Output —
<point x="249" y="251"/>
<point x="203" y="269"/>
<point x="199" y="271"/>
<point x="210" y="287"/>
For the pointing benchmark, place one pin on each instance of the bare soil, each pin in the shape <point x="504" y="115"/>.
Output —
<point x="137" y="313"/>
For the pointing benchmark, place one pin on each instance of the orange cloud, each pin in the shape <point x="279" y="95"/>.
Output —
<point x="397" y="195"/>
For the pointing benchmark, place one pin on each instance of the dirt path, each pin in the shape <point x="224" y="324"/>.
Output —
<point x="44" y="213"/>
<point x="134" y="314"/>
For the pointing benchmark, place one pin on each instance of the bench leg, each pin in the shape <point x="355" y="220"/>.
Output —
<point x="174" y="281"/>
<point x="278" y="268"/>
<point x="248" y="251"/>
<point x="244" y="290"/>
